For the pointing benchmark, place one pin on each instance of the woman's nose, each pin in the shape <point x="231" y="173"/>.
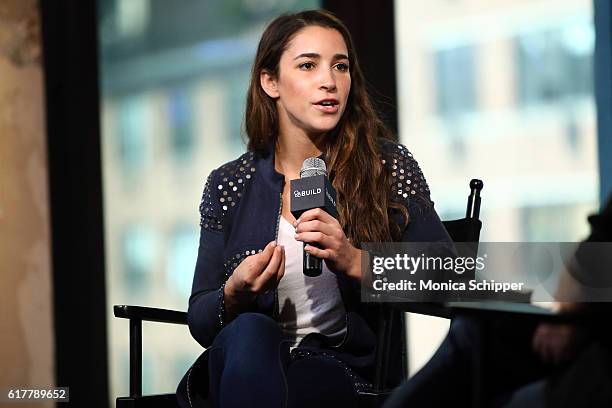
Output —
<point x="328" y="80"/>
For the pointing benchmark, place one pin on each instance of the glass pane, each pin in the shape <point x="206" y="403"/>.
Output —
<point x="454" y="78"/>
<point x="504" y="94"/>
<point x="173" y="79"/>
<point x="501" y="91"/>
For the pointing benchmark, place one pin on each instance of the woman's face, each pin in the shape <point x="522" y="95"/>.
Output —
<point x="313" y="81"/>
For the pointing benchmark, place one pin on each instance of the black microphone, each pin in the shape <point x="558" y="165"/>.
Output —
<point x="312" y="190"/>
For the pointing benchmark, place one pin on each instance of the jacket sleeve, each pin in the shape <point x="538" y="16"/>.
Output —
<point x="205" y="313"/>
<point x="410" y="189"/>
<point x="424" y="225"/>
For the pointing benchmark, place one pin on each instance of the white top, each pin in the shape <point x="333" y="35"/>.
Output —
<point x="306" y="304"/>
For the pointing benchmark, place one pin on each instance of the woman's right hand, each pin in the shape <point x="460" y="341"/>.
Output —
<point x="256" y="274"/>
<point x="555" y="343"/>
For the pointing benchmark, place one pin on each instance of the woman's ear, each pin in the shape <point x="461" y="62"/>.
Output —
<point x="268" y="84"/>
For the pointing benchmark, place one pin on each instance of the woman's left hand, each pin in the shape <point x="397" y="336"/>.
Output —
<point x="317" y="226"/>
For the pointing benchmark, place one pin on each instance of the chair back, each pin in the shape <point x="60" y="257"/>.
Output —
<point x="466" y="231"/>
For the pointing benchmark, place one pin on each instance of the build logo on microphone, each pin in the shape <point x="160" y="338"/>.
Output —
<point x="304" y="193"/>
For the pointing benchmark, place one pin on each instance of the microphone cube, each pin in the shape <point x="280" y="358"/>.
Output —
<point x="312" y="192"/>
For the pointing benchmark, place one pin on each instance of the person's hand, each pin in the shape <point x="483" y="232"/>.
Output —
<point x="554" y="343"/>
<point x="317" y="226"/>
<point x="256" y="274"/>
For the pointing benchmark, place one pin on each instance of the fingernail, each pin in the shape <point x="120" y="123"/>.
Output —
<point x="296" y="236"/>
<point x="297" y="222"/>
<point x="273" y="244"/>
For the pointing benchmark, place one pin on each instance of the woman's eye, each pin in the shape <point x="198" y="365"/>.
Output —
<point x="342" y="67"/>
<point x="306" y="66"/>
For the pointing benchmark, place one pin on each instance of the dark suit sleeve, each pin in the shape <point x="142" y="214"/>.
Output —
<point x="593" y="258"/>
<point x="205" y="313"/>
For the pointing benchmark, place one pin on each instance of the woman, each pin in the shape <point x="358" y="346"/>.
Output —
<point x="273" y="336"/>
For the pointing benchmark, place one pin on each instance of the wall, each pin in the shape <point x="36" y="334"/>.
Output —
<point x="26" y="327"/>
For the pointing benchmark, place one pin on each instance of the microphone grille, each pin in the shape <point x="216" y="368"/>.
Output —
<point x="313" y="166"/>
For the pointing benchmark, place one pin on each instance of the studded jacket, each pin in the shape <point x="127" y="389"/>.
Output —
<point x="240" y="213"/>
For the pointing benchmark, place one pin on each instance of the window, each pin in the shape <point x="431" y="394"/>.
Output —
<point x="555" y="64"/>
<point x="132" y="141"/>
<point x="182" y="253"/>
<point x="235" y="100"/>
<point x="512" y="85"/>
<point x="180" y="114"/>
<point x="138" y="249"/>
<point x="541" y="224"/>
<point x="454" y="80"/>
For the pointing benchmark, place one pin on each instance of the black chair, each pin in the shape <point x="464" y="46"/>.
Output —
<point x="463" y="230"/>
<point x="136" y="315"/>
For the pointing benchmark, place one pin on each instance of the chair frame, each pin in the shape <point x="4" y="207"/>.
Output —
<point x="387" y="315"/>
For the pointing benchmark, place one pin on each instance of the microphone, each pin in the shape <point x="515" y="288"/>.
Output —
<point x="312" y="190"/>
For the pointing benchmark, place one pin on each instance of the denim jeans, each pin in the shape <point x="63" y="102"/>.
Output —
<point x="250" y="366"/>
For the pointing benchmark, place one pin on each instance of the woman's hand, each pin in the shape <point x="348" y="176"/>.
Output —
<point x="317" y="226"/>
<point x="554" y="343"/>
<point x="256" y="274"/>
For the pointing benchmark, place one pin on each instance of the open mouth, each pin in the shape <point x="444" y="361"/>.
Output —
<point x="327" y="105"/>
<point x="327" y="102"/>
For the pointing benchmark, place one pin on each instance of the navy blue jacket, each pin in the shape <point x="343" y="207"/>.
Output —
<point x="240" y="213"/>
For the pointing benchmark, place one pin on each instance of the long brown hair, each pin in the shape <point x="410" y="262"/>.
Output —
<point x="354" y="165"/>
